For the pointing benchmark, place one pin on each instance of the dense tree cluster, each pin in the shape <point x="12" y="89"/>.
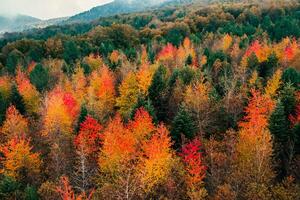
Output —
<point x="184" y="103"/>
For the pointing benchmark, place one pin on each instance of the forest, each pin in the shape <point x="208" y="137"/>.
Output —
<point x="183" y="102"/>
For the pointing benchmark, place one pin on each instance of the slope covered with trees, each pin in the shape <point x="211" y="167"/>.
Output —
<point x="185" y="102"/>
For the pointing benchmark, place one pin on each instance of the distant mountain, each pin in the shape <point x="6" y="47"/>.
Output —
<point x="21" y="23"/>
<point x="120" y="7"/>
<point x="13" y="23"/>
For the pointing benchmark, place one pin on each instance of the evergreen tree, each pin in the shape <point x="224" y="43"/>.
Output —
<point x="182" y="125"/>
<point x="17" y="100"/>
<point x="39" y="77"/>
<point x="279" y="124"/>
<point x="156" y="92"/>
<point x="292" y="76"/>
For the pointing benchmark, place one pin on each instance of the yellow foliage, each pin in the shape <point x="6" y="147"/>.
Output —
<point x="56" y="119"/>
<point x="155" y="164"/>
<point x="273" y="84"/>
<point x="129" y="94"/>
<point x="226" y="43"/>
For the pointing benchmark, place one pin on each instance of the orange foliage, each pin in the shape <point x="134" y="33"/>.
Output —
<point x="167" y="53"/>
<point x="15" y="124"/>
<point x="142" y="125"/>
<point x="156" y="159"/>
<point x="257" y="113"/>
<point x="118" y="146"/>
<point x="17" y="155"/>
<point x="114" y="57"/>
<point x="67" y="193"/>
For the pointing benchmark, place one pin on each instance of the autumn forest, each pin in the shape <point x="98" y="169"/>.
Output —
<point x="181" y="102"/>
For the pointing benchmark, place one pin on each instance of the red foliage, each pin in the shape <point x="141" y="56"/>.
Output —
<point x="168" y="52"/>
<point x="254" y="48"/>
<point x="192" y="157"/>
<point x="71" y="104"/>
<point x="289" y="53"/>
<point x="88" y="138"/>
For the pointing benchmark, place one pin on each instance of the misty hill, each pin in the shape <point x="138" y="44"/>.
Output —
<point x="13" y="23"/>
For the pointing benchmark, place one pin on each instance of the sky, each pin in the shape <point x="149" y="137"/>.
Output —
<point x="47" y="9"/>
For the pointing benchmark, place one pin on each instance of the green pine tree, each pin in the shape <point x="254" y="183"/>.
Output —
<point x="182" y="124"/>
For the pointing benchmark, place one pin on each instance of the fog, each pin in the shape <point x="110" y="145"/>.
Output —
<point x="47" y="9"/>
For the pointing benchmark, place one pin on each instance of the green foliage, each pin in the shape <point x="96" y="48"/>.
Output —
<point x="156" y="92"/>
<point x="292" y="76"/>
<point x="14" y="59"/>
<point x="177" y="33"/>
<point x="39" y="77"/>
<point x="182" y="124"/>
<point x="279" y="124"/>
<point x="9" y="188"/>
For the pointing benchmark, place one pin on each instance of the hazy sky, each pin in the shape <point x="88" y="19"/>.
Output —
<point x="46" y="9"/>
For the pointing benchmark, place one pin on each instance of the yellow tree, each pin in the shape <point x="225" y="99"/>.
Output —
<point x="28" y="92"/>
<point x="129" y="94"/>
<point x="79" y="84"/>
<point x="155" y="162"/>
<point x="5" y="87"/>
<point x="226" y="42"/>
<point x="15" y="124"/>
<point x="94" y="61"/>
<point x="273" y="84"/>
<point x="197" y="101"/>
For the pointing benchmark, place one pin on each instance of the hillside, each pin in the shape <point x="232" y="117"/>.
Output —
<point x="121" y="7"/>
<point x="193" y="101"/>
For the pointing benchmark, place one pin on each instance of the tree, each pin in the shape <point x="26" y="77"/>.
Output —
<point x="14" y="59"/>
<point x="15" y="124"/>
<point x="18" y="161"/>
<point x="129" y="95"/>
<point x="39" y="77"/>
<point x="182" y="126"/>
<point x="156" y="160"/>
<point x="198" y="103"/>
<point x="156" y="92"/>
<point x="254" y="147"/>
<point x="60" y="113"/>
<point x="273" y="84"/>
<point x="290" y="75"/>
<point x="141" y="126"/>
<point x="67" y="193"/>
<point x="195" y="169"/>
<point x="284" y="139"/>
<point x="101" y="94"/>
<point x="30" y="95"/>
<point x="118" y="146"/>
